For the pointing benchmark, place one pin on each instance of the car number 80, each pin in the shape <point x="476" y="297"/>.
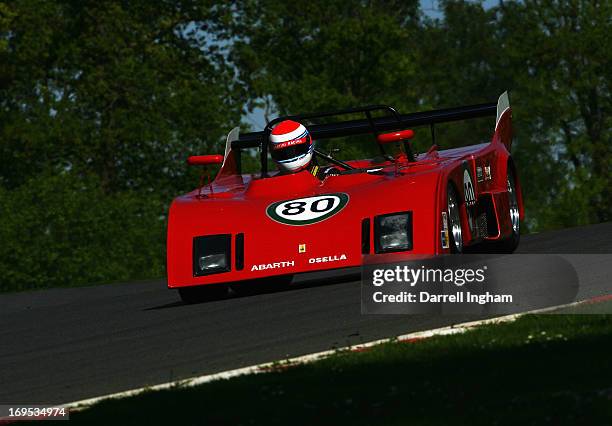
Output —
<point x="308" y="210"/>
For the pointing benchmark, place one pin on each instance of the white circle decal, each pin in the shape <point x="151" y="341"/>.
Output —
<point x="308" y="210"/>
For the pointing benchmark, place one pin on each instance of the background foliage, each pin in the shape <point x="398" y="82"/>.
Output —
<point x="100" y="103"/>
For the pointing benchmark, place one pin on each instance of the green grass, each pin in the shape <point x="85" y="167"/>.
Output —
<point x="546" y="369"/>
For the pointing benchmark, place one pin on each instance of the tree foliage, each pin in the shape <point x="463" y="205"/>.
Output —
<point x="561" y="54"/>
<point x="318" y="55"/>
<point x="123" y="90"/>
<point x="114" y="95"/>
<point x="64" y="230"/>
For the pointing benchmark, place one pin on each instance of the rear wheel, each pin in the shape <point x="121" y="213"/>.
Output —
<point x="514" y="207"/>
<point x="203" y="293"/>
<point x="454" y="219"/>
<point x="510" y="244"/>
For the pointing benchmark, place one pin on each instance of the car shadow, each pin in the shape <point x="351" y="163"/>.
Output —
<point x="299" y="283"/>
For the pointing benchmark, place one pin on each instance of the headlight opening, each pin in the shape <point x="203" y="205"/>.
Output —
<point x="393" y="232"/>
<point x="211" y="254"/>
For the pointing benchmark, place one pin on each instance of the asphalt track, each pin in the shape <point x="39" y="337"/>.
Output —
<point x="64" y="345"/>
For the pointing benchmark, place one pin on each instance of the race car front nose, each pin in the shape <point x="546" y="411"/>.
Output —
<point x="226" y="256"/>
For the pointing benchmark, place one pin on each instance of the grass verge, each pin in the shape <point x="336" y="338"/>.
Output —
<point x="541" y="369"/>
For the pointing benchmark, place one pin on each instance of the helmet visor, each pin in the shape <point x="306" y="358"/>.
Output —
<point x="290" y="150"/>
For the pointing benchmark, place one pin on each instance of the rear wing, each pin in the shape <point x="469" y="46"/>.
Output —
<point x="375" y="125"/>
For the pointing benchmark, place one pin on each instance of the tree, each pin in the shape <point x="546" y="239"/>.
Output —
<point x="561" y="54"/>
<point x="100" y="103"/>
<point x="318" y="55"/>
<point x="123" y="90"/>
<point x="6" y="17"/>
<point x="460" y="62"/>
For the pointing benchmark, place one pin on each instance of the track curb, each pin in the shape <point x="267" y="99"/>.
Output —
<point x="304" y="359"/>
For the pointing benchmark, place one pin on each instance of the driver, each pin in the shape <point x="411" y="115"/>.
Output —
<point x="291" y="148"/>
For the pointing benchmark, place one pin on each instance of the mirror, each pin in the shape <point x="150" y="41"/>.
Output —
<point x="204" y="160"/>
<point x="395" y="136"/>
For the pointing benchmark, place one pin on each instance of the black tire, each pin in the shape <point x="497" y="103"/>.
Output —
<point x="510" y="244"/>
<point x="203" y="293"/>
<point x="455" y="231"/>
<point x="262" y="285"/>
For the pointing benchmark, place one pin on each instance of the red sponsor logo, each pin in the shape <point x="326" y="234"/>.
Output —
<point x="292" y="142"/>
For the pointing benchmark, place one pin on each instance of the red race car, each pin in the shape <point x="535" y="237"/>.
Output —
<point x="249" y="229"/>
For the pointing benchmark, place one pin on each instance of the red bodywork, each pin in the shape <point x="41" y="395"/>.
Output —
<point x="237" y="205"/>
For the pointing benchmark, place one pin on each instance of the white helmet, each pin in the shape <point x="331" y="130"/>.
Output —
<point x="291" y="146"/>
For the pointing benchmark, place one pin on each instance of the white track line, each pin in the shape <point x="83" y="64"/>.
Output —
<point x="268" y="366"/>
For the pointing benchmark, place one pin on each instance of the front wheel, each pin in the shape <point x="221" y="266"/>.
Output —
<point x="202" y="293"/>
<point x="262" y="285"/>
